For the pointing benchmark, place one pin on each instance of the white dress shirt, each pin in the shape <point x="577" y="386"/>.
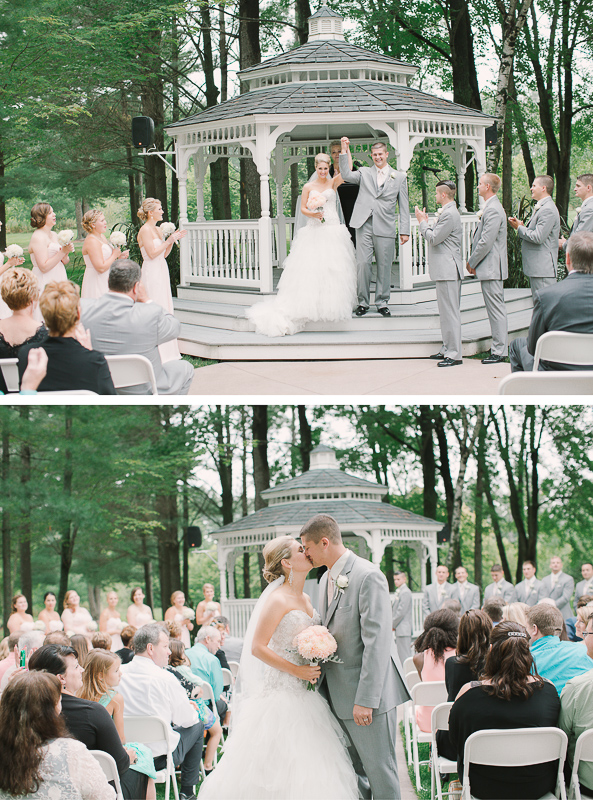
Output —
<point x="151" y="691"/>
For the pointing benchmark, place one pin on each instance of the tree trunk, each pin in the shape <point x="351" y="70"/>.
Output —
<point x="261" y="470"/>
<point x="246" y="576"/>
<point x="176" y="115"/>
<point x="69" y="528"/>
<point x="497" y="530"/>
<point x="302" y="12"/>
<point x="185" y="524"/>
<point x="152" y="95"/>
<point x="2" y="205"/>
<point x="389" y="567"/>
<point x="94" y="596"/>
<point x="6" y="542"/>
<point x="479" y="505"/>
<point x="224" y="462"/>
<point x="429" y="497"/>
<point x="168" y="547"/>
<point x="147" y="564"/>
<point x="444" y="467"/>
<point x="249" y="55"/>
<point x="507" y="156"/>
<point x="306" y="444"/>
<point x="25" y="537"/>
<point x="295" y="191"/>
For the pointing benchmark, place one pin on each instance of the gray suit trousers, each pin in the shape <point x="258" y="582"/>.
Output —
<point x="384" y="249"/>
<point x="540" y="283"/>
<point x="448" y="301"/>
<point x="367" y="741"/>
<point x="404" y="648"/>
<point x="493" y="292"/>
<point x="521" y="358"/>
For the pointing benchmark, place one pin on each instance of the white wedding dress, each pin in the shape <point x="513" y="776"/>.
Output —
<point x="285" y="744"/>
<point x="318" y="281"/>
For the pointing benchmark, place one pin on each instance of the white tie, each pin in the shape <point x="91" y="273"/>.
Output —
<point x="554" y="581"/>
<point x="330" y="589"/>
<point x="462" y="590"/>
<point x="496" y="589"/>
<point x="381" y="177"/>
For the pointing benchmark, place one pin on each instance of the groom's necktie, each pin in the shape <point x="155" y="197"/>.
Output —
<point x="381" y="177"/>
<point x="330" y="589"/>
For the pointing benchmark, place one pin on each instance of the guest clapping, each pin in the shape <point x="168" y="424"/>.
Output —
<point x="47" y="255"/>
<point x="179" y="612"/>
<point x="49" y="615"/>
<point x="19" y="616"/>
<point x="20" y="291"/>
<point x="98" y="254"/>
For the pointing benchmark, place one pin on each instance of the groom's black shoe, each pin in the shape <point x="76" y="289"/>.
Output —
<point x="385" y="312"/>
<point x="437" y="356"/>
<point x="449" y="362"/>
<point x="492" y="359"/>
<point x="361" y="311"/>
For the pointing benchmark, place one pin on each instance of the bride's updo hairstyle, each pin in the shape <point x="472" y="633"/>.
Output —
<point x="150" y="204"/>
<point x="322" y="157"/>
<point x="90" y="219"/>
<point x="274" y="552"/>
<point x="39" y="214"/>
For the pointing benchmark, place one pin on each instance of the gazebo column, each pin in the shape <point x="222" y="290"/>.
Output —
<point x="461" y="169"/>
<point x="279" y="176"/>
<point x="200" y="165"/>
<point x="223" y="554"/>
<point x="182" y="164"/>
<point x="423" y="556"/>
<point x="231" y="574"/>
<point x="404" y="158"/>
<point x="377" y="545"/>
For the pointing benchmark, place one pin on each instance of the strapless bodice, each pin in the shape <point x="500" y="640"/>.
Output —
<point x="282" y="643"/>
<point x="330" y="212"/>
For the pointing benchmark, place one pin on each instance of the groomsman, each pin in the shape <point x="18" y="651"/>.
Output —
<point x="499" y="587"/>
<point x="584" y="219"/>
<point x="467" y="593"/>
<point x="436" y="593"/>
<point x="558" y="586"/>
<point x="445" y="265"/>
<point x="528" y="591"/>
<point x="402" y="616"/>
<point x="586" y="585"/>
<point x="488" y="262"/>
<point x="539" y="239"/>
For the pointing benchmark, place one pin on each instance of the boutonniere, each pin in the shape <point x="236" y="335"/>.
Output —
<point x="579" y="209"/>
<point x="439" y="211"/>
<point x="538" y="205"/>
<point x="393" y="174"/>
<point x="342" y="583"/>
<point x="479" y="213"/>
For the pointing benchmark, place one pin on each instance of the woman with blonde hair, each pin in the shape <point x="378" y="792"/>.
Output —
<point x="318" y="280"/>
<point x="13" y="261"/>
<point x="19" y="616"/>
<point x="75" y="617"/>
<point x="516" y="612"/>
<point x="208" y="608"/>
<point x="182" y="614"/>
<point x="98" y="254"/>
<point x="155" y="272"/>
<point x="48" y="257"/>
<point x="19" y="290"/>
<point x="110" y="621"/>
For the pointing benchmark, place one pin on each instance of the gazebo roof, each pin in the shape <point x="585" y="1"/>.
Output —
<point x="323" y="479"/>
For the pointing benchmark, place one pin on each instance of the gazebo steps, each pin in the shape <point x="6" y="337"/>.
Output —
<point x="353" y="340"/>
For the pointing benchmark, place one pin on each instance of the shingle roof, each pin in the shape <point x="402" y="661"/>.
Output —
<point x="330" y="98"/>
<point x="324" y="11"/>
<point x="322" y="479"/>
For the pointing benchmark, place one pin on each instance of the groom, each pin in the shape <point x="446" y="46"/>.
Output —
<point x="373" y="217"/>
<point x="365" y="690"/>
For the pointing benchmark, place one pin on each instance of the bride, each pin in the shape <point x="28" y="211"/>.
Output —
<point x="285" y="744"/>
<point x="318" y="281"/>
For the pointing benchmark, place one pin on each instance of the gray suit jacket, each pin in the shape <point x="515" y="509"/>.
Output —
<point x="471" y="598"/>
<point x="359" y="617"/>
<point x="529" y="596"/>
<point x="489" y="247"/>
<point x="561" y="593"/>
<point x="583" y="221"/>
<point x="119" y="326"/>
<point x="507" y="591"/>
<point x="565" y="306"/>
<point x="580" y="589"/>
<point x="431" y="601"/>
<point x="539" y="241"/>
<point x="401" y="620"/>
<point x="380" y="202"/>
<point x="444" y="237"/>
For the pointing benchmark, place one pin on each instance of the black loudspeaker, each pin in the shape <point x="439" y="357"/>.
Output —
<point x="444" y="535"/>
<point x="142" y="131"/>
<point x="491" y="134"/>
<point x="194" y="534"/>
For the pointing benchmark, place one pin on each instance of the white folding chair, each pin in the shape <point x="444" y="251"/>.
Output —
<point x="69" y="391"/>
<point x="519" y="747"/>
<point x="228" y="678"/>
<point x="154" y="729"/>
<point x="234" y="665"/>
<point x="109" y="767"/>
<point x="408" y="665"/>
<point x="583" y="752"/>
<point x="412" y="678"/>
<point x="208" y="694"/>
<point x="563" y="382"/>
<point x="439" y="721"/>
<point x="131" y="370"/>
<point x="10" y="371"/>
<point x="429" y="693"/>
<point x="565" y="348"/>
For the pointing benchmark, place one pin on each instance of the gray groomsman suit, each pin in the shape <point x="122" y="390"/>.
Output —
<point x="119" y="326"/>
<point x="561" y="593"/>
<point x="528" y="594"/>
<point x="359" y="617"/>
<point x="401" y="621"/>
<point x="539" y="245"/>
<point x="470" y="598"/>
<point x="445" y="265"/>
<point x="432" y="601"/>
<point x="373" y="218"/>
<point x="582" y="588"/>
<point x="503" y="589"/>
<point x="489" y="258"/>
<point x="583" y="221"/>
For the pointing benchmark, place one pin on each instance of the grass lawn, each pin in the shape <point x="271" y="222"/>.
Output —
<point x="423" y="755"/>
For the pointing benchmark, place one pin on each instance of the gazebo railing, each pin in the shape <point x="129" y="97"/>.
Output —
<point x="224" y="252"/>
<point x="469" y="223"/>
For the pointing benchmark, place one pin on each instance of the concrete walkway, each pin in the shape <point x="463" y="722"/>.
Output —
<point x="400" y="377"/>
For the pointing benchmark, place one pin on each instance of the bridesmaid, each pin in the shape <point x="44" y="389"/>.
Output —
<point x="208" y="608"/>
<point x="139" y="613"/>
<point x="178" y="612"/>
<point x="47" y="257"/>
<point x="19" y="616"/>
<point x="155" y="272"/>
<point x="98" y="255"/>
<point x="49" y="615"/>
<point x="110" y="621"/>
<point x="76" y="618"/>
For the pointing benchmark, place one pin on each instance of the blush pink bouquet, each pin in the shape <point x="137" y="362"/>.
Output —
<point x="316" y="645"/>
<point x="316" y="202"/>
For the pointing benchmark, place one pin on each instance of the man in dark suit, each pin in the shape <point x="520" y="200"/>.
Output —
<point x="565" y="306"/>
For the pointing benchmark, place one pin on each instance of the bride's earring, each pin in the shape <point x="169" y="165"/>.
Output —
<point x="290" y="577"/>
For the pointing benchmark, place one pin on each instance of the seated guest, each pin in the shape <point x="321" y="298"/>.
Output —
<point x="564" y="306"/>
<point x="81" y="645"/>
<point x="9" y="663"/>
<point x="584" y="611"/>
<point x="87" y="721"/>
<point x="233" y="645"/>
<point x="126" y="653"/>
<point x="509" y="695"/>
<point x="72" y="363"/>
<point x="453" y="605"/>
<point x="100" y="640"/>
<point x="433" y="647"/>
<point x="555" y="660"/>
<point x="493" y="608"/>
<point x="38" y="758"/>
<point x="516" y="612"/>
<point x="576" y="713"/>
<point x="174" y="629"/>
<point x="57" y="637"/>
<point x="20" y="292"/>
<point x="149" y="690"/>
<point x="29" y="641"/>
<point x="125" y="322"/>
<point x="204" y="664"/>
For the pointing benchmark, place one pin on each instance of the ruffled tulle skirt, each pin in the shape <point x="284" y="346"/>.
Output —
<point x="318" y="282"/>
<point x="285" y="745"/>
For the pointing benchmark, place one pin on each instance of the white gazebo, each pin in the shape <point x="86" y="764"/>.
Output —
<point x="367" y="524"/>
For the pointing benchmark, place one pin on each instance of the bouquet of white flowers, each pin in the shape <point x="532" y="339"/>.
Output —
<point x="167" y="228"/>
<point x="56" y="625"/>
<point x="65" y="237"/>
<point x="118" y="239"/>
<point x="188" y="613"/>
<point x="13" y="251"/>
<point x="92" y="625"/>
<point x="39" y="625"/>
<point x="211" y="606"/>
